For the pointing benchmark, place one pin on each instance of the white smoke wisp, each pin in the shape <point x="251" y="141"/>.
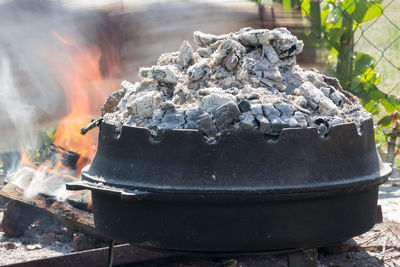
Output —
<point x="31" y="96"/>
<point x="15" y="112"/>
<point x="40" y="182"/>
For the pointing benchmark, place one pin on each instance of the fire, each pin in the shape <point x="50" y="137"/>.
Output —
<point x="85" y="90"/>
<point x="89" y="205"/>
<point x="78" y="70"/>
<point x="25" y="160"/>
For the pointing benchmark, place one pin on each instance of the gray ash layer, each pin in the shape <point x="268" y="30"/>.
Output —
<point x="246" y="80"/>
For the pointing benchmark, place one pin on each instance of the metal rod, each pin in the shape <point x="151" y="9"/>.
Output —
<point x="122" y="254"/>
<point x="91" y="125"/>
<point x="110" y="253"/>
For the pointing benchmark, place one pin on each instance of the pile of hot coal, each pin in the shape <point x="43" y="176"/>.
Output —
<point x="247" y="80"/>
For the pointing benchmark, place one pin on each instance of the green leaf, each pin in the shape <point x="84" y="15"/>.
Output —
<point x="334" y="34"/>
<point x="362" y="10"/>
<point x="372" y="13"/>
<point x="305" y="7"/>
<point x="324" y="15"/>
<point x="349" y="6"/>
<point x="336" y="15"/>
<point x="389" y="107"/>
<point x="363" y="61"/>
<point x="394" y="100"/>
<point x="287" y="5"/>
<point x="374" y="93"/>
<point x="385" y="121"/>
<point x="380" y="137"/>
<point x="332" y="54"/>
<point x="372" y="107"/>
<point x="369" y="76"/>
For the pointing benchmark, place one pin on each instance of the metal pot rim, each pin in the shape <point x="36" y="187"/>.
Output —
<point x="343" y="160"/>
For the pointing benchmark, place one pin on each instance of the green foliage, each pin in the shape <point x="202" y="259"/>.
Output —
<point x="45" y="139"/>
<point x="362" y="10"/>
<point x="380" y="138"/>
<point x="332" y="27"/>
<point x="287" y="4"/>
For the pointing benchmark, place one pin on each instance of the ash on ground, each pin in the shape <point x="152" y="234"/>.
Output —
<point x="377" y="248"/>
<point x="44" y="238"/>
<point x="247" y="80"/>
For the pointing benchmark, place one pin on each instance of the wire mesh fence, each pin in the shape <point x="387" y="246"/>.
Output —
<point x="359" y="43"/>
<point x="386" y="57"/>
<point x="343" y="27"/>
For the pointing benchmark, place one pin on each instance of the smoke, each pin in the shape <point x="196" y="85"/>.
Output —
<point x="32" y="53"/>
<point x="41" y="182"/>
<point x="31" y="97"/>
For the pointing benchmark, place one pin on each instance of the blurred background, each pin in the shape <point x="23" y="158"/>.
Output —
<point x="59" y="59"/>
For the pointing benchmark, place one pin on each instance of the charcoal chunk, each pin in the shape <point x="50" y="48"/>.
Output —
<point x="265" y="126"/>
<point x="167" y="105"/>
<point x="226" y="114"/>
<point x="242" y="80"/>
<point x="205" y="123"/>
<point x="301" y="119"/>
<point x="112" y="101"/>
<point x="270" y="110"/>
<point x="247" y="121"/>
<point x="284" y="108"/>
<point x="191" y="125"/>
<point x="277" y="124"/>
<point x="185" y="57"/>
<point x="172" y="120"/>
<point x="198" y="70"/>
<point x="323" y="126"/>
<point x="244" y="105"/>
<point x="193" y="114"/>
<point x="257" y="110"/>
<point x="290" y="120"/>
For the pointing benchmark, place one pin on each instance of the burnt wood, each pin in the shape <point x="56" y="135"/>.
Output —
<point x="74" y="217"/>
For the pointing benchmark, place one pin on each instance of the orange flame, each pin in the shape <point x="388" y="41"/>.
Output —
<point x="25" y="159"/>
<point x="85" y="90"/>
<point x="78" y="70"/>
<point x="89" y="205"/>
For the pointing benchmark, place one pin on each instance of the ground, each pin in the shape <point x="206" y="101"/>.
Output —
<point x="389" y="198"/>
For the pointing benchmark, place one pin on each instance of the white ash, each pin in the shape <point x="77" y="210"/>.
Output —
<point x="247" y="80"/>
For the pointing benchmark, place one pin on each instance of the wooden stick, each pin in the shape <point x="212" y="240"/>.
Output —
<point x="390" y="229"/>
<point x="373" y="237"/>
<point x="78" y="219"/>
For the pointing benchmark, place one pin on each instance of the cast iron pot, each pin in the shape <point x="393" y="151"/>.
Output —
<point x="245" y="193"/>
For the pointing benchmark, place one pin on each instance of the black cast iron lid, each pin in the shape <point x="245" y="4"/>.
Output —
<point x="300" y="160"/>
